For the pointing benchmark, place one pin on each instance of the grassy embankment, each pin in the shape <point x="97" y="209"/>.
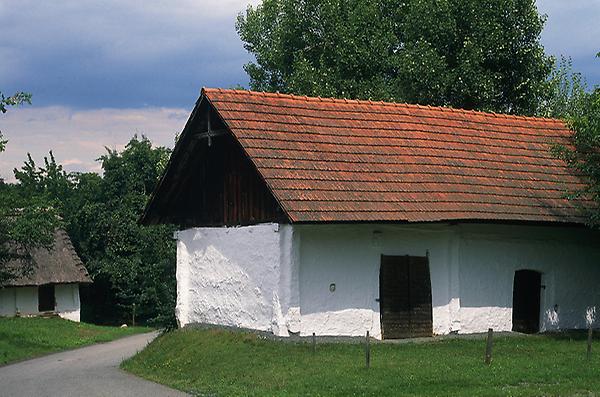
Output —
<point x="224" y="363"/>
<point x="22" y="338"/>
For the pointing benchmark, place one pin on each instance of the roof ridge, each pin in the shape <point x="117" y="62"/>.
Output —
<point x="72" y="252"/>
<point x="370" y="102"/>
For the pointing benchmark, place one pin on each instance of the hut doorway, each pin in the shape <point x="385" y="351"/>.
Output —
<point x="46" y="299"/>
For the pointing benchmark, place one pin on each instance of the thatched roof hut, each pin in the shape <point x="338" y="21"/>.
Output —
<point x="59" y="265"/>
<point x="52" y="285"/>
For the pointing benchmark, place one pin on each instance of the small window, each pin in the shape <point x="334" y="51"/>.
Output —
<point x="46" y="301"/>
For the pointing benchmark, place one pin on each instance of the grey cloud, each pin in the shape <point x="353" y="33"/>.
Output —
<point x="114" y="53"/>
<point x="90" y="54"/>
<point x="121" y="67"/>
<point x="572" y="29"/>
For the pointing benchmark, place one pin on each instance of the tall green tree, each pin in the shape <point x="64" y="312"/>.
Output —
<point x="586" y="155"/>
<point x="580" y="108"/>
<point x="568" y="92"/>
<point x="26" y="221"/>
<point x="129" y="263"/>
<point x="473" y="54"/>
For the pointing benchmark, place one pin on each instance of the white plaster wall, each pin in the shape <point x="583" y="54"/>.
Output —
<point x="349" y="256"/>
<point x="8" y="301"/>
<point x="277" y="277"/>
<point x="67" y="301"/>
<point x="569" y="260"/>
<point x="286" y="311"/>
<point x="26" y="300"/>
<point x="472" y="269"/>
<point x="230" y="276"/>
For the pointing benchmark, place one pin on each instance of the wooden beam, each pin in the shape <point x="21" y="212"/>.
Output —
<point x="209" y="134"/>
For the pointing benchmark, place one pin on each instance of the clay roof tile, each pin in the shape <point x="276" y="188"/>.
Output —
<point x="329" y="160"/>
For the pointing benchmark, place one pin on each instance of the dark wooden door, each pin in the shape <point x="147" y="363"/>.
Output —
<point x="526" y="301"/>
<point x="405" y="297"/>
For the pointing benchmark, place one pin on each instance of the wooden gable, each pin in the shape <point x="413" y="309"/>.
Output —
<point x="210" y="181"/>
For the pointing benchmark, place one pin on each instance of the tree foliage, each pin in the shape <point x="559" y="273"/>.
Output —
<point x="26" y="220"/>
<point x="13" y="100"/>
<point x="568" y="92"/>
<point x="584" y="156"/>
<point x="469" y="54"/>
<point x="571" y="100"/>
<point x="6" y="102"/>
<point x="129" y="263"/>
<point x="135" y="263"/>
<point x="25" y="223"/>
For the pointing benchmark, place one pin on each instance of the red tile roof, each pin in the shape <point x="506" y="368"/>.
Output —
<point x="345" y="160"/>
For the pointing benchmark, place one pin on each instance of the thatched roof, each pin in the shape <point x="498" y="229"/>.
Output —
<point x="59" y="265"/>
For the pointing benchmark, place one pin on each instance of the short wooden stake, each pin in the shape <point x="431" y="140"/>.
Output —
<point x="314" y="343"/>
<point x="368" y="351"/>
<point x="488" y="347"/>
<point x="133" y="316"/>
<point x="589" y="343"/>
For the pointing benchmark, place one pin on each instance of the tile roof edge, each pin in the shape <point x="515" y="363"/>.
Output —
<point x="207" y="91"/>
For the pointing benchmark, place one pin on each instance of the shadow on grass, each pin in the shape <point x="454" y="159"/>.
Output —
<point x="572" y="335"/>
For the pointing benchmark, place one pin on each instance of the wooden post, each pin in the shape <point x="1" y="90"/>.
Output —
<point x="368" y="351"/>
<point x="589" y="343"/>
<point x="133" y="316"/>
<point x="314" y="343"/>
<point x="488" y="347"/>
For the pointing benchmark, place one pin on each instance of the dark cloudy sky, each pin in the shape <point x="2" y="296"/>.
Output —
<point x="101" y="71"/>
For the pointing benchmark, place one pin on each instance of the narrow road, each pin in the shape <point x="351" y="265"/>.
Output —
<point x="91" y="371"/>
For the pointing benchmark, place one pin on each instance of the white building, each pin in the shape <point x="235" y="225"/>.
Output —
<point x="52" y="286"/>
<point x="304" y="215"/>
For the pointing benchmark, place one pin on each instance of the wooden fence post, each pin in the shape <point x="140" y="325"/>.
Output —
<point x="589" y="343"/>
<point x="368" y="351"/>
<point x="314" y="343"/>
<point x="488" y="347"/>
<point x="133" y="316"/>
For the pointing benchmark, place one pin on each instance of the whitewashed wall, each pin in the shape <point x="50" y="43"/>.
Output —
<point x="24" y="300"/>
<point x="233" y="276"/>
<point x="472" y="270"/>
<point x="277" y="277"/>
<point x="349" y="256"/>
<point x="8" y="301"/>
<point x="67" y="301"/>
<point x="568" y="259"/>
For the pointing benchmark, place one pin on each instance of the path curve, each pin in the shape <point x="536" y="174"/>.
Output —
<point x="90" y="371"/>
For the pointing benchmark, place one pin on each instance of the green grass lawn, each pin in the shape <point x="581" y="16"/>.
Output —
<point x="22" y="338"/>
<point x="225" y="363"/>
